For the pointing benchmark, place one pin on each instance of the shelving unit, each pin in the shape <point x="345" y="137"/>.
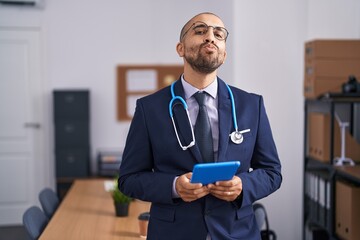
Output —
<point x="322" y="144"/>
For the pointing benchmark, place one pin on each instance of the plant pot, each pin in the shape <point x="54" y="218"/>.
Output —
<point x="121" y="209"/>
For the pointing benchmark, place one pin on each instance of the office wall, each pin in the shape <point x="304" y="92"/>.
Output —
<point x="268" y="55"/>
<point x="333" y="19"/>
<point x="84" y="40"/>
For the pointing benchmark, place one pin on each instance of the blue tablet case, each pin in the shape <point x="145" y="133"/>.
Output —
<point x="206" y="173"/>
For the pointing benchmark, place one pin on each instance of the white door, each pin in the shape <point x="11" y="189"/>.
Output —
<point x="22" y="163"/>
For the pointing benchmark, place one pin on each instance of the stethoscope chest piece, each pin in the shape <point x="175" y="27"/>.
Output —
<point x="237" y="137"/>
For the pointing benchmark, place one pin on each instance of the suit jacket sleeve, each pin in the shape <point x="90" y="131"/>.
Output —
<point x="266" y="175"/>
<point x="137" y="177"/>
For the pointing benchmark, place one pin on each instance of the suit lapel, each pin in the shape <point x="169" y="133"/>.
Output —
<point x="182" y="122"/>
<point x="225" y="119"/>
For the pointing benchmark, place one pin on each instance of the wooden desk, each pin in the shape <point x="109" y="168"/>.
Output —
<point x="88" y="212"/>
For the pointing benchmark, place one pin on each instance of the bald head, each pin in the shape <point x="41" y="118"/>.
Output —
<point x="193" y="19"/>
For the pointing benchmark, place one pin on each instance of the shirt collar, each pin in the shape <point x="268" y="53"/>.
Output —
<point x="190" y="90"/>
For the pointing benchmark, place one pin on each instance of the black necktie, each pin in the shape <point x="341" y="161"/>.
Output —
<point x="203" y="136"/>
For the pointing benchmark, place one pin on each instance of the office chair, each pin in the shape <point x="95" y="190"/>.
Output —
<point x="34" y="221"/>
<point x="263" y="223"/>
<point x="49" y="201"/>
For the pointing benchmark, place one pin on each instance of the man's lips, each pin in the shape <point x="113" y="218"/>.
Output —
<point x="209" y="47"/>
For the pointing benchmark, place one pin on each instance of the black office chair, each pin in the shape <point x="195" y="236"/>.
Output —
<point x="49" y="201"/>
<point x="34" y="221"/>
<point x="263" y="222"/>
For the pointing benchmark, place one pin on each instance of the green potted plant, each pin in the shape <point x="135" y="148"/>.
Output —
<point x="121" y="201"/>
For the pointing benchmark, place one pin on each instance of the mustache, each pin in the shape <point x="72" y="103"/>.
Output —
<point x="209" y="44"/>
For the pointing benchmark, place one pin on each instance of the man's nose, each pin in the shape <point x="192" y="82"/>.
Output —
<point x="209" y="36"/>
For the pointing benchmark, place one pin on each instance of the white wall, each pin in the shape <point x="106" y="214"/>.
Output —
<point x="269" y="59"/>
<point x="333" y="19"/>
<point x="84" y="40"/>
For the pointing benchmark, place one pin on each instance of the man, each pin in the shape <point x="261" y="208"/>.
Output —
<point x="156" y="169"/>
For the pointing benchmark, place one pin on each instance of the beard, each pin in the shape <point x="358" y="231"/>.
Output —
<point x="203" y="62"/>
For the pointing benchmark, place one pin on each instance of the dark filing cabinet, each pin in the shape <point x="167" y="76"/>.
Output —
<point x="72" y="136"/>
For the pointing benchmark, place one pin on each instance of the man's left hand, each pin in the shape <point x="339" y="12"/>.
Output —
<point x="226" y="190"/>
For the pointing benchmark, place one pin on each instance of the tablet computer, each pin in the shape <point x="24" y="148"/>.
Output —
<point x="206" y="173"/>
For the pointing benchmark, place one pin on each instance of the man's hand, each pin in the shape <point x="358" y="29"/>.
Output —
<point x="189" y="191"/>
<point x="226" y="190"/>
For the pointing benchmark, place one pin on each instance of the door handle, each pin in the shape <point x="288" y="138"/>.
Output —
<point x="32" y="125"/>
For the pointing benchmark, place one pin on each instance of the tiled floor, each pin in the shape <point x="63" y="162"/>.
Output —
<point x="13" y="233"/>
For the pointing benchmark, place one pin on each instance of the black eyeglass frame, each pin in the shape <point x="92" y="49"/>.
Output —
<point x="214" y="27"/>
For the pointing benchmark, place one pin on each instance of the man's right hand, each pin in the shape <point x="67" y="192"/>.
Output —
<point x="189" y="191"/>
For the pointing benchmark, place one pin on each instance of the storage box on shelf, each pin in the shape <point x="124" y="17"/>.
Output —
<point x="319" y="136"/>
<point x="328" y="64"/>
<point x="347" y="210"/>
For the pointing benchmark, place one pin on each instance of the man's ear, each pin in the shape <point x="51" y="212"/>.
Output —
<point x="180" y="49"/>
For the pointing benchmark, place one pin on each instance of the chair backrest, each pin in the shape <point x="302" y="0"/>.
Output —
<point x="49" y="201"/>
<point x="260" y="215"/>
<point x="263" y="223"/>
<point x="34" y="221"/>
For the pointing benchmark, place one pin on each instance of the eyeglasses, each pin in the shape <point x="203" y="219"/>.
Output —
<point x="201" y="28"/>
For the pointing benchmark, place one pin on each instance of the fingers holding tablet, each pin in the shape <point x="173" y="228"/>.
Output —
<point x="226" y="190"/>
<point x="206" y="173"/>
<point x="189" y="191"/>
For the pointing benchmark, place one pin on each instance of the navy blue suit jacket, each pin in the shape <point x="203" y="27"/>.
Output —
<point x="152" y="158"/>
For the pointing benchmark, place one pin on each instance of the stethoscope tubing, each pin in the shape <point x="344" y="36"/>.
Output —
<point x="174" y="98"/>
<point x="235" y="136"/>
<point x="232" y="107"/>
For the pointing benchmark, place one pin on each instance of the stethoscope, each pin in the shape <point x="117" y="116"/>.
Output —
<point x="236" y="136"/>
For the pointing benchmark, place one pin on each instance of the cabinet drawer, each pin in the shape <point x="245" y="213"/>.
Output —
<point x="71" y="104"/>
<point x="72" y="162"/>
<point x="72" y="133"/>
